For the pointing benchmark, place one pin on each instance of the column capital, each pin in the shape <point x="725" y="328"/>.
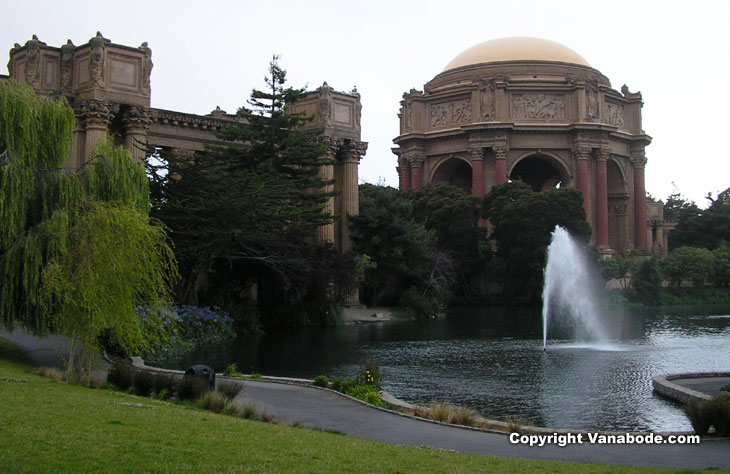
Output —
<point x="354" y="151"/>
<point x="638" y="158"/>
<point x="416" y="158"/>
<point x="95" y="113"/>
<point x="603" y="154"/>
<point x="137" y="118"/>
<point x="581" y="152"/>
<point x="501" y="151"/>
<point x="476" y="153"/>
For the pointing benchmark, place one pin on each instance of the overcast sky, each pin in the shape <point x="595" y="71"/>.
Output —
<point x="208" y="54"/>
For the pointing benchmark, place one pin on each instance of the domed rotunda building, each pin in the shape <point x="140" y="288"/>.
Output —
<point x="533" y="110"/>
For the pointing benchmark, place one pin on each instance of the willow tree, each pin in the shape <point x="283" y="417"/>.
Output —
<point x="78" y="251"/>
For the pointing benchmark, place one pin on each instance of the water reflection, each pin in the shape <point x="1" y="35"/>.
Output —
<point x="492" y="360"/>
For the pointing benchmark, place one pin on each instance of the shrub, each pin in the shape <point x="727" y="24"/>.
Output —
<point x="229" y="389"/>
<point x="256" y="376"/>
<point x="143" y="382"/>
<point x="451" y="414"/>
<point x="212" y="401"/>
<point x="50" y="373"/>
<point x="193" y="388"/>
<point x="371" y="374"/>
<point x="121" y="375"/>
<point x="321" y="381"/>
<point x="231" y="371"/>
<point x="343" y="385"/>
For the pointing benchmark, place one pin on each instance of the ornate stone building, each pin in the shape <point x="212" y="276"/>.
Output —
<point x="533" y="110"/>
<point x="108" y="85"/>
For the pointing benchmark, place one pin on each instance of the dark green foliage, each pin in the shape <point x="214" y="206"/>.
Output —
<point x="619" y="268"/>
<point x="405" y="255"/>
<point x="121" y="375"/>
<point x="193" y="388"/>
<point x="454" y="216"/>
<point x="342" y="385"/>
<point x="708" y="228"/>
<point x="522" y="222"/>
<point x="321" y="381"/>
<point x="688" y="263"/>
<point x="710" y="413"/>
<point x="231" y="371"/>
<point x="245" y="217"/>
<point x="648" y="281"/>
<point x="720" y="273"/>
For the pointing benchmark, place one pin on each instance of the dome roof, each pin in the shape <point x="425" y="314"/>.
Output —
<point x="516" y="49"/>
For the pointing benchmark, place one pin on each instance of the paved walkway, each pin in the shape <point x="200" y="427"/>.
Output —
<point x="327" y="410"/>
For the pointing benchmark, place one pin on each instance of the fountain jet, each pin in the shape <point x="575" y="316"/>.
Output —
<point x="569" y="290"/>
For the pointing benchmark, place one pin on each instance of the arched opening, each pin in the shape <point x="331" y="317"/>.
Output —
<point x="539" y="172"/>
<point x="453" y="171"/>
<point x="618" y="207"/>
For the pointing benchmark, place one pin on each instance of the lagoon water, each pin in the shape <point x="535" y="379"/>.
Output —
<point x="492" y="359"/>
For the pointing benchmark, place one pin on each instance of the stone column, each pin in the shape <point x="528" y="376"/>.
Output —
<point x="404" y="173"/>
<point x="501" y="152"/>
<point x="639" y="161"/>
<point x="659" y="241"/>
<point x="96" y="115"/>
<point x="477" y="171"/>
<point x="326" y="233"/>
<point x="136" y="122"/>
<point x="602" y="199"/>
<point x="350" y="201"/>
<point x="415" y="160"/>
<point x="581" y="154"/>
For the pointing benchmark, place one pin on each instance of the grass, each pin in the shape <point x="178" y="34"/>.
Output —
<point x="50" y="426"/>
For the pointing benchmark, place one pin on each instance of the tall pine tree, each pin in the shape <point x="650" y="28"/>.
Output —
<point x="246" y="216"/>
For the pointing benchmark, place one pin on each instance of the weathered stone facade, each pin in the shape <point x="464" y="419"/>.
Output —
<point x="533" y="110"/>
<point x="109" y="87"/>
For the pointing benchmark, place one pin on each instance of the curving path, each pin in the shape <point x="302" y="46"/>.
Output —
<point x="324" y="409"/>
<point x="327" y="410"/>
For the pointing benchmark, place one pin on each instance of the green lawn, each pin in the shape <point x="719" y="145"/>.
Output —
<point x="51" y="426"/>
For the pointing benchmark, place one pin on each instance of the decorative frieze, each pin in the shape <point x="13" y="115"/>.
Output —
<point x="614" y="114"/>
<point x="538" y="106"/>
<point x="445" y="114"/>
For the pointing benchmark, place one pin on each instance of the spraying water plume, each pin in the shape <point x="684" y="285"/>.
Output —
<point x="569" y="289"/>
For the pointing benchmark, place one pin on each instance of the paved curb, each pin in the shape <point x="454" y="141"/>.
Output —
<point x="664" y="386"/>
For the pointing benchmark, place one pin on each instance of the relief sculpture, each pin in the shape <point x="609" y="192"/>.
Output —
<point x="451" y="113"/>
<point x="615" y="114"/>
<point x="538" y="106"/>
<point x="487" y="101"/>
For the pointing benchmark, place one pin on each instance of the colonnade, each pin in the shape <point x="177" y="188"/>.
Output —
<point x="410" y="169"/>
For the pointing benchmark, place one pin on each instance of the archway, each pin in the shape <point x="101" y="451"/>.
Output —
<point x="454" y="171"/>
<point x="540" y="172"/>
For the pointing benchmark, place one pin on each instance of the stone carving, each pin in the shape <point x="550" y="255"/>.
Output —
<point x="137" y="117"/>
<point x="592" y="100"/>
<point x="638" y="158"/>
<point x="617" y="210"/>
<point x="604" y="154"/>
<point x="630" y="95"/>
<point x="407" y="114"/>
<point x="189" y="120"/>
<point x="615" y="114"/>
<point x="67" y="65"/>
<point x="476" y="153"/>
<point x="147" y="65"/>
<point x="94" y="112"/>
<point x="324" y="107"/>
<point x="486" y="97"/>
<point x="581" y="152"/>
<point x="96" y="59"/>
<point x="33" y="61"/>
<point x="451" y="113"/>
<point x="358" y="107"/>
<point x="538" y="106"/>
<point x="501" y="151"/>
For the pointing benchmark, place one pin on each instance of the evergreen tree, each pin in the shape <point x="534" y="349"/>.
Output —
<point x="522" y="221"/>
<point x="245" y="216"/>
<point x="77" y="250"/>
